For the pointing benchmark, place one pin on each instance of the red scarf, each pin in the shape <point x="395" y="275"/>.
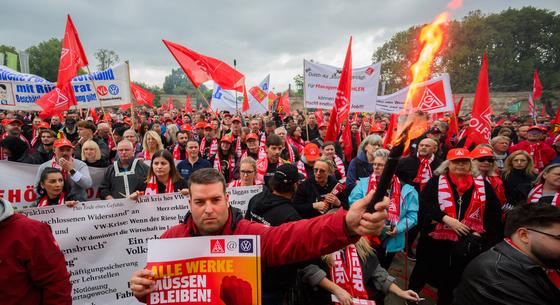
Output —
<point x="298" y="143"/>
<point x="291" y="156"/>
<point x="147" y="155"/>
<point x="152" y="186"/>
<point x="475" y="212"/>
<point x="238" y="151"/>
<point x="55" y="165"/>
<point x="44" y="201"/>
<point x="262" y="165"/>
<point x="177" y="153"/>
<point x="498" y="186"/>
<point x="424" y="172"/>
<point x="535" y="152"/>
<point x="347" y="272"/>
<point x="536" y="193"/>
<point x="340" y="167"/>
<point x="301" y="169"/>
<point x="263" y="140"/>
<point x="213" y="147"/>
<point x="231" y="165"/>
<point x="394" y="211"/>
<point x="235" y="183"/>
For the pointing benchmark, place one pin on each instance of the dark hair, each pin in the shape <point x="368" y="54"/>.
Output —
<point x="181" y="131"/>
<point x="50" y="131"/>
<point x="279" y="186"/>
<point x="274" y="139"/>
<point x="173" y="173"/>
<point x="270" y="123"/>
<point x="532" y="215"/>
<point x="207" y="176"/>
<point x="120" y="130"/>
<point x="327" y="143"/>
<point x="44" y="174"/>
<point x="86" y="124"/>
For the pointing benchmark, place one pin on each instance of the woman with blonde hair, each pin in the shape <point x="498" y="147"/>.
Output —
<point x="485" y="165"/>
<point x="91" y="155"/>
<point x="150" y="144"/>
<point x="518" y="177"/>
<point x="247" y="173"/>
<point x="547" y="187"/>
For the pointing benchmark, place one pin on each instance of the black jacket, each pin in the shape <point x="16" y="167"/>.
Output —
<point x="503" y="275"/>
<point x="408" y="168"/>
<point x="309" y="192"/>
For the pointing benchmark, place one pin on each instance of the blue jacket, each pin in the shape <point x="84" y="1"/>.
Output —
<point x="359" y="167"/>
<point x="408" y="217"/>
<point x="185" y="168"/>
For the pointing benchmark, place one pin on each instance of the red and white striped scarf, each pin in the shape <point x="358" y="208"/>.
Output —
<point x="231" y="165"/>
<point x="147" y="155"/>
<point x="536" y="193"/>
<point x="340" y="167"/>
<point x="394" y="211"/>
<point x="535" y="152"/>
<point x="235" y="183"/>
<point x="44" y="201"/>
<point x="262" y="142"/>
<point x="238" y="150"/>
<point x="56" y="165"/>
<point x="177" y="153"/>
<point x="213" y="147"/>
<point x="424" y="172"/>
<point x="152" y="186"/>
<point x="301" y="169"/>
<point x="347" y="272"/>
<point x="262" y="165"/>
<point x="291" y="155"/>
<point x="473" y="216"/>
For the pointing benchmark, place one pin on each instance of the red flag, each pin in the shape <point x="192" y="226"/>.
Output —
<point x="170" y="104"/>
<point x="478" y="131"/>
<point x="188" y="106"/>
<point x="245" y="105"/>
<point x="341" y="107"/>
<point x="543" y="110"/>
<point x="162" y="107"/>
<point x="94" y="115"/>
<point x="284" y="103"/>
<point x="125" y="106"/>
<point x="537" y="86"/>
<point x="200" y="68"/>
<point x="453" y="131"/>
<point x="142" y="96"/>
<point x="391" y="129"/>
<point x="72" y="58"/>
<point x="271" y="98"/>
<point x="556" y="123"/>
<point x="319" y="116"/>
<point x="347" y="140"/>
<point x="458" y="106"/>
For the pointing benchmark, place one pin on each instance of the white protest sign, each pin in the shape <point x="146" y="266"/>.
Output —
<point x="225" y="100"/>
<point x="105" y="241"/>
<point x="19" y="189"/>
<point x="321" y="83"/>
<point x="19" y="91"/>
<point x="433" y="96"/>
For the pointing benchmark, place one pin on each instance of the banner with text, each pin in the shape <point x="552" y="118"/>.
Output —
<point x="225" y="100"/>
<point x="432" y="96"/>
<point x="105" y="241"/>
<point x="205" y="270"/>
<point x="321" y="82"/>
<point x="20" y="191"/>
<point x="19" y="91"/>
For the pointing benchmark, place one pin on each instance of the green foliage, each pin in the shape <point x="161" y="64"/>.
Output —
<point x="4" y="49"/>
<point x="106" y="58"/>
<point x="516" y="40"/>
<point x="178" y="83"/>
<point x="44" y="59"/>
<point x="156" y="90"/>
<point x="298" y="80"/>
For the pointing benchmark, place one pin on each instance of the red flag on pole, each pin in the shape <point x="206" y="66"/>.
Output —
<point x="72" y="58"/>
<point x="170" y="104"/>
<point x="478" y="131"/>
<point x="245" y="105"/>
<point x="458" y="106"/>
<point x="341" y="107"/>
<point x="94" y="115"/>
<point x="556" y="123"/>
<point x="188" y="106"/>
<point x="143" y="97"/>
<point x="537" y="86"/>
<point x="347" y="140"/>
<point x="284" y="103"/>
<point x="271" y="98"/>
<point x="162" y="106"/>
<point x="319" y="116"/>
<point x="391" y="130"/>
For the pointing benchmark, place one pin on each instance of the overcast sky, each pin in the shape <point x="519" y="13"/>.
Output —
<point x="264" y="36"/>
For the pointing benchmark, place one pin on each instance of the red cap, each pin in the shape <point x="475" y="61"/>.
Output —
<point x="323" y="125"/>
<point x="186" y="127"/>
<point x="238" y="119"/>
<point x="227" y="138"/>
<point x="311" y="152"/>
<point x="11" y="121"/>
<point x="376" y="128"/>
<point x="481" y="152"/>
<point x="537" y="127"/>
<point x="44" y="125"/>
<point x="227" y="115"/>
<point x="458" y="153"/>
<point x="200" y="125"/>
<point x="251" y="136"/>
<point x="127" y="121"/>
<point x="62" y="143"/>
<point x="208" y="125"/>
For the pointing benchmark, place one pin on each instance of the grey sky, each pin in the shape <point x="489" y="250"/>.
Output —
<point x="264" y="36"/>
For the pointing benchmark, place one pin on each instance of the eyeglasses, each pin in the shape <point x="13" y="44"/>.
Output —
<point x="319" y="170"/>
<point x="246" y="172"/>
<point x="378" y="164"/>
<point x="486" y="159"/>
<point x="557" y="237"/>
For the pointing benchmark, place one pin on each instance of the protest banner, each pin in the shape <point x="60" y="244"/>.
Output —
<point x="321" y="82"/>
<point x="206" y="270"/>
<point x="19" y="91"/>
<point x="105" y="241"/>
<point x="225" y="100"/>
<point x="20" y="188"/>
<point x="434" y="96"/>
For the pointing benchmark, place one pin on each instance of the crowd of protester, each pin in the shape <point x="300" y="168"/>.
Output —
<point x="481" y="223"/>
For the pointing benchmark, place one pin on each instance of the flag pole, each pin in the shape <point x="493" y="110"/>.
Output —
<point x="98" y="99"/>
<point x="305" y="108"/>
<point x="203" y="97"/>
<point x="133" y="100"/>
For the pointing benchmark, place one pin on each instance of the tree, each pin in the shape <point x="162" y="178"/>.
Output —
<point x="44" y="59"/>
<point x="11" y="49"/>
<point x="178" y="83"/>
<point x="516" y="40"/>
<point x="298" y="80"/>
<point x="106" y="58"/>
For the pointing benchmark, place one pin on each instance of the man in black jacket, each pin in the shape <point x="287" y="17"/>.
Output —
<point x="523" y="268"/>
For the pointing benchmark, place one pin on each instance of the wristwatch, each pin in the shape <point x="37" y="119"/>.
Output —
<point x="72" y="172"/>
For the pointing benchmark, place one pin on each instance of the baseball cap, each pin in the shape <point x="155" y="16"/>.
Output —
<point x="227" y="115"/>
<point x="434" y="130"/>
<point x="287" y="174"/>
<point x="63" y="143"/>
<point x="323" y="125"/>
<point x="186" y="127"/>
<point x="236" y="119"/>
<point x="227" y="138"/>
<point x="251" y="136"/>
<point x="481" y="152"/>
<point x="44" y="125"/>
<point x="458" y="153"/>
<point x="200" y="125"/>
<point x="537" y="127"/>
<point x="376" y="128"/>
<point x="208" y="126"/>
<point x="311" y="152"/>
<point x="6" y="122"/>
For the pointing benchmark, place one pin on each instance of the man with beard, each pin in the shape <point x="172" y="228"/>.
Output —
<point x="86" y="130"/>
<point x="44" y="151"/>
<point x="194" y="162"/>
<point x="239" y="146"/>
<point x="69" y="131"/>
<point x="13" y="128"/>
<point x="523" y="268"/>
<point x="55" y="123"/>
<point x="180" y="150"/>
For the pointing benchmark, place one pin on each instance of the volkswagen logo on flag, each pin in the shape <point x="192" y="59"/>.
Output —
<point x="245" y="245"/>
<point x="113" y="89"/>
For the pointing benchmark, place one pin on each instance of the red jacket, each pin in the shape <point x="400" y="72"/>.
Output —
<point x="542" y="156"/>
<point x="32" y="267"/>
<point x="283" y="244"/>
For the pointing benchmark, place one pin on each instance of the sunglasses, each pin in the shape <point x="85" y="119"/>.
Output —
<point x="557" y="237"/>
<point x="486" y="159"/>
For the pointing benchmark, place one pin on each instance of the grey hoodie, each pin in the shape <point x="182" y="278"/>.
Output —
<point x="6" y="209"/>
